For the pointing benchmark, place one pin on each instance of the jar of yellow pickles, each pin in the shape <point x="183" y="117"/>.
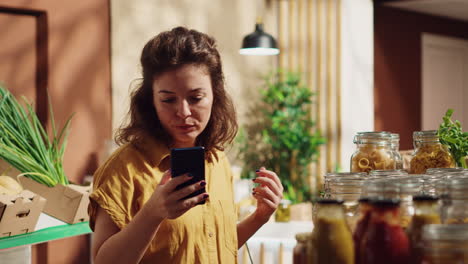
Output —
<point x="332" y="241"/>
<point x="283" y="212"/>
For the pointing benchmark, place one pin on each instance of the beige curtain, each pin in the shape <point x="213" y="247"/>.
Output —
<point x="309" y="40"/>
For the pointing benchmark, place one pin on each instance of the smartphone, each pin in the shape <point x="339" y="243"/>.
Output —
<point x="189" y="160"/>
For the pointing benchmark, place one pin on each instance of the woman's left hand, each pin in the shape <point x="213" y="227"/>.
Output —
<point x="268" y="193"/>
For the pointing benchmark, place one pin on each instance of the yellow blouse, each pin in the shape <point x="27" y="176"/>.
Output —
<point x="205" y="234"/>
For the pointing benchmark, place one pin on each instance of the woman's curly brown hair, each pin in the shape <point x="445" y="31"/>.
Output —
<point x="167" y="51"/>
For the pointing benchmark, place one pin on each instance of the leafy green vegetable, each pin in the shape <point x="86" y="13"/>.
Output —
<point x="452" y="135"/>
<point x="25" y="144"/>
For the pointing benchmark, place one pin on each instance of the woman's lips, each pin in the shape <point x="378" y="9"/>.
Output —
<point x="186" y="127"/>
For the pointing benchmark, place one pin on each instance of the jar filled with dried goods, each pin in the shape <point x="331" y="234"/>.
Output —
<point x="426" y="212"/>
<point x="395" y="145"/>
<point x="443" y="244"/>
<point x="373" y="152"/>
<point x="332" y="241"/>
<point x="429" y="153"/>
<point x="384" y="241"/>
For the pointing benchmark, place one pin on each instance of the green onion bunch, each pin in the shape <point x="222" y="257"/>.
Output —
<point x="25" y="144"/>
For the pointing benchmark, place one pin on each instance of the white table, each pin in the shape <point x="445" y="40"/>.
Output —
<point x="273" y="243"/>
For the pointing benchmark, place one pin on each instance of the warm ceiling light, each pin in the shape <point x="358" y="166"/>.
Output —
<point x="259" y="43"/>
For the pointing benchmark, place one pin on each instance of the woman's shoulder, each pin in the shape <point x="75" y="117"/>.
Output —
<point x="119" y="159"/>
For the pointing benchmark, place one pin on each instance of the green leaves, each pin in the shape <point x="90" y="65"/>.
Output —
<point x="283" y="137"/>
<point x="452" y="135"/>
<point x="25" y="144"/>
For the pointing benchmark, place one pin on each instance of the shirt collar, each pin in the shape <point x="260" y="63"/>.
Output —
<point x="154" y="150"/>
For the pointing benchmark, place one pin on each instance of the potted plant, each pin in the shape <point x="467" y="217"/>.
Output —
<point x="282" y="135"/>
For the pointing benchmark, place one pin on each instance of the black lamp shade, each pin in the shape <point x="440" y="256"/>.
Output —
<point x="259" y="43"/>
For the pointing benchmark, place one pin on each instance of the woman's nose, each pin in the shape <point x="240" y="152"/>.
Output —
<point x="183" y="109"/>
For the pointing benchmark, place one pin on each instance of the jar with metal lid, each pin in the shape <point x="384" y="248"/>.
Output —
<point x="332" y="176"/>
<point x="407" y="188"/>
<point x="348" y="189"/>
<point x="441" y="171"/>
<point x="331" y="239"/>
<point x="373" y="152"/>
<point x="443" y="188"/>
<point x="384" y="241"/>
<point x="361" y="226"/>
<point x="444" y="244"/>
<point x="283" y="213"/>
<point x="387" y="173"/>
<point x="429" y="153"/>
<point x="380" y="187"/>
<point x="300" y="251"/>
<point x="395" y="145"/>
<point x="426" y="212"/>
<point x="456" y="211"/>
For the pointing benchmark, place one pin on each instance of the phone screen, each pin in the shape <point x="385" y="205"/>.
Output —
<point x="189" y="160"/>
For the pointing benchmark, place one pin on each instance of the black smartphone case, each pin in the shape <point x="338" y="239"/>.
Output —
<point x="189" y="160"/>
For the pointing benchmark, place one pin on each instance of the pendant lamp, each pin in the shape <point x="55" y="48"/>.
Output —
<point x="259" y="42"/>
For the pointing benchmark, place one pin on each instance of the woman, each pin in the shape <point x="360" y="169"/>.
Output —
<point x="136" y="212"/>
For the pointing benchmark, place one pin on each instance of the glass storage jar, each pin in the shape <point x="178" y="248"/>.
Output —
<point x="338" y="175"/>
<point x="361" y="226"/>
<point x="429" y="153"/>
<point x="444" y="244"/>
<point x="300" y="252"/>
<point x="373" y="152"/>
<point x="283" y="212"/>
<point x="443" y="189"/>
<point x="407" y="188"/>
<point x="332" y="241"/>
<point x="395" y="145"/>
<point x="387" y="173"/>
<point x="456" y="210"/>
<point x="348" y="189"/>
<point x="384" y="241"/>
<point x="426" y="212"/>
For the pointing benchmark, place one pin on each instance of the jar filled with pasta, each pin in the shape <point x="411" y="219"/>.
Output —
<point x="429" y="153"/>
<point x="443" y="244"/>
<point x="373" y="152"/>
<point x="395" y="145"/>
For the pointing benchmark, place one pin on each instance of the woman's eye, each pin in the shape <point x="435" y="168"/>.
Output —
<point x="168" y="100"/>
<point x="196" y="98"/>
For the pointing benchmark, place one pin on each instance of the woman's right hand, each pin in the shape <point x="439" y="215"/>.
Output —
<point x="168" y="203"/>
